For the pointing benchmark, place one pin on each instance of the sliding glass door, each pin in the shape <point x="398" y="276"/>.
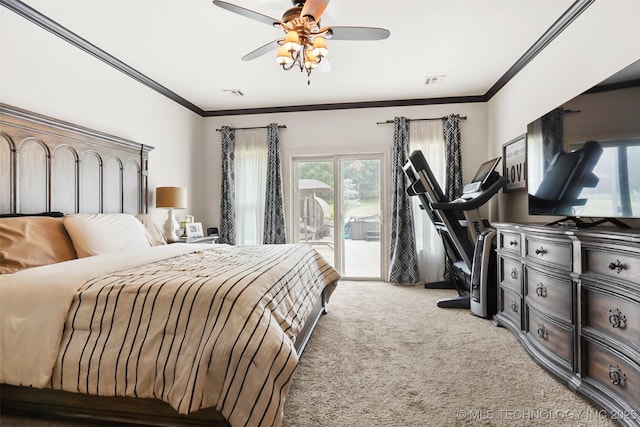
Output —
<point x="337" y="206"/>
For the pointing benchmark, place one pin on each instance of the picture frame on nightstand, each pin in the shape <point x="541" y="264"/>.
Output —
<point x="194" y="229"/>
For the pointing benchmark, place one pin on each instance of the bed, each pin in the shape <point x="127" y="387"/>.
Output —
<point x="102" y="320"/>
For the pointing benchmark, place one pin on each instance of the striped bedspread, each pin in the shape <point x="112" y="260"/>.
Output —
<point x="212" y="328"/>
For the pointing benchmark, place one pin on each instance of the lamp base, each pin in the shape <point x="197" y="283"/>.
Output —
<point x="171" y="227"/>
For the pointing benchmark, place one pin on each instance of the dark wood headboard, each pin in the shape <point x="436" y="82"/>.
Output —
<point x="51" y="165"/>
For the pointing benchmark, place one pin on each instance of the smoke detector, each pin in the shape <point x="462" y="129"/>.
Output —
<point x="432" y="80"/>
<point x="236" y="92"/>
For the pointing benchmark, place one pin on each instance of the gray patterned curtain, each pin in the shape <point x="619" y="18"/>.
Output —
<point x="452" y="156"/>
<point x="453" y="167"/>
<point x="404" y="261"/>
<point x="274" y="220"/>
<point x="227" y="201"/>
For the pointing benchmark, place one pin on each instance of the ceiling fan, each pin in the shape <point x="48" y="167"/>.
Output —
<point x="304" y="44"/>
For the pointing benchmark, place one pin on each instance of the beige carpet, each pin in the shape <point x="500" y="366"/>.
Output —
<point x="385" y="355"/>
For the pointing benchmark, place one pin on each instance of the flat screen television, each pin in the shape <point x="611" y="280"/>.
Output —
<point x="583" y="157"/>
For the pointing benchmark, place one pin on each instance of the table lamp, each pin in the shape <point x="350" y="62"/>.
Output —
<point x="172" y="198"/>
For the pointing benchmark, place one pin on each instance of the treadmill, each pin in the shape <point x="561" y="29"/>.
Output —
<point x="458" y="221"/>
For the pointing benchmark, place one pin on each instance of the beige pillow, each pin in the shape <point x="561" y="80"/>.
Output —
<point x="31" y="241"/>
<point x="154" y="233"/>
<point x="95" y="234"/>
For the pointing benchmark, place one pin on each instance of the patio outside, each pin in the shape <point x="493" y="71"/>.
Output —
<point x="361" y="243"/>
<point x="358" y="188"/>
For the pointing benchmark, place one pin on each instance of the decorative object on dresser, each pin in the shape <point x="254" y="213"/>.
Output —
<point x="572" y="298"/>
<point x="172" y="198"/>
<point x="514" y="165"/>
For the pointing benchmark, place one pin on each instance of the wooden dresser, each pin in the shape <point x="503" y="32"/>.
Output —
<point x="572" y="298"/>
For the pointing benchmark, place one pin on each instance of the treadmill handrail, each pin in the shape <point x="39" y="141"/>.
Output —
<point x="474" y="203"/>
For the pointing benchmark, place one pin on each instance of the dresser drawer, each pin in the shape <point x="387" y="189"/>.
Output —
<point x="552" y="293"/>
<point x="510" y="242"/>
<point x="555" y="253"/>
<point x="612" y="263"/>
<point x="614" y="316"/>
<point x="511" y="306"/>
<point x="510" y="271"/>
<point x="613" y="372"/>
<point x="550" y="335"/>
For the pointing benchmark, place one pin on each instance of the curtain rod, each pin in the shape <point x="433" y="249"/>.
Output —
<point x="256" y="127"/>
<point x="417" y="120"/>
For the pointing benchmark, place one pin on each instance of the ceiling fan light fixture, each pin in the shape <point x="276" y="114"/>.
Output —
<point x="304" y="45"/>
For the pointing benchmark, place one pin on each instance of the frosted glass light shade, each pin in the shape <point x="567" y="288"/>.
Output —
<point x="284" y="57"/>
<point x="320" y="47"/>
<point x="292" y="42"/>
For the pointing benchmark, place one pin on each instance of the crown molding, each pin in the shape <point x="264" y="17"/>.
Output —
<point x="347" y="105"/>
<point x="52" y="26"/>
<point x="558" y="27"/>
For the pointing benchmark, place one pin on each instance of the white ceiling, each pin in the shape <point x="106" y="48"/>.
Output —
<point x="193" y="48"/>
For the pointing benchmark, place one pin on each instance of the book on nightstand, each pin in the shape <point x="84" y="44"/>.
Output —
<point x="203" y="239"/>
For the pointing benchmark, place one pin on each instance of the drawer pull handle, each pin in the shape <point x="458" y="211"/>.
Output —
<point x="543" y="333"/>
<point x="513" y="243"/>
<point x="617" y="266"/>
<point x="541" y="290"/>
<point x="541" y="251"/>
<point x="616" y="375"/>
<point x="514" y="307"/>
<point x="514" y="273"/>
<point x="617" y="319"/>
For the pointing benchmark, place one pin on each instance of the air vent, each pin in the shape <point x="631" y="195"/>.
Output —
<point x="433" y="80"/>
<point x="236" y="92"/>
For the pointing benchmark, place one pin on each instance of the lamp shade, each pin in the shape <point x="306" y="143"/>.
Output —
<point x="171" y="197"/>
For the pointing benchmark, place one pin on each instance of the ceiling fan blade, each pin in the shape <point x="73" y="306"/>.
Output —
<point x="272" y="45"/>
<point x="314" y="8"/>
<point x="358" y="33"/>
<point x="247" y="13"/>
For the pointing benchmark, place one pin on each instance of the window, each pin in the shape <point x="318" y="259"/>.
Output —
<point x="251" y="174"/>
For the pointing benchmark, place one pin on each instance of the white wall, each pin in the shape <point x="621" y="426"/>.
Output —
<point x="44" y="74"/>
<point x="604" y="39"/>
<point x="334" y="132"/>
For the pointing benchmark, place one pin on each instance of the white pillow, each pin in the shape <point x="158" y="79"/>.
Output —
<point x="95" y="234"/>
<point x="154" y="233"/>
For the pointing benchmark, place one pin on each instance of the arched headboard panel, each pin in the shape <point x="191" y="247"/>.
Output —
<point x="32" y="173"/>
<point x="64" y="179"/>
<point x="112" y="189"/>
<point x="51" y="165"/>
<point x="6" y="170"/>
